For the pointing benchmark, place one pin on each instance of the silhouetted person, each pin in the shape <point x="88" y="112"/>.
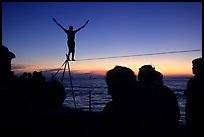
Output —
<point x="5" y="70"/>
<point x="193" y="99"/>
<point x="53" y="95"/>
<point x="38" y="78"/>
<point x="11" y="100"/>
<point x="71" y="36"/>
<point x="160" y="106"/>
<point x="5" y="62"/>
<point x="6" y="77"/>
<point x="46" y="110"/>
<point x="122" y="113"/>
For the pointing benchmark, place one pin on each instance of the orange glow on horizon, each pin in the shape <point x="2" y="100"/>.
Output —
<point x="170" y="66"/>
<point x="103" y="72"/>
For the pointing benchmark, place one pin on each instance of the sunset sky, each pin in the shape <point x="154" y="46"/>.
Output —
<point x="114" y="29"/>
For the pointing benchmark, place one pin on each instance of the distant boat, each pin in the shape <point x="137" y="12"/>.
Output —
<point x="90" y="77"/>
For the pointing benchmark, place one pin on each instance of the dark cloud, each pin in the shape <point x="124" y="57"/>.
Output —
<point x="18" y="66"/>
<point x="52" y="70"/>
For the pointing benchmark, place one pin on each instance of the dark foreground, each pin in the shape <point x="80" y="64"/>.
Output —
<point x="69" y="122"/>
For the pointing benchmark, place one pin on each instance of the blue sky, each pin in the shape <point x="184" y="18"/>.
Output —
<point x="114" y="29"/>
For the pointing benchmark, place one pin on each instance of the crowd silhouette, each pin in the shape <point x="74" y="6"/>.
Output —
<point x="141" y="105"/>
<point x="147" y="104"/>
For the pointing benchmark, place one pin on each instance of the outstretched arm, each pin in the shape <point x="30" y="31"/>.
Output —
<point x="82" y="26"/>
<point x="59" y="24"/>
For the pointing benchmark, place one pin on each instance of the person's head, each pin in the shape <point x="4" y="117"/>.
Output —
<point x="158" y="78"/>
<point x="197" y="63"/>
<point x="70" y="27"/>
<point x="5" y="61"/>
<point x="147" y="74"/>
<point x="119" y="80"/>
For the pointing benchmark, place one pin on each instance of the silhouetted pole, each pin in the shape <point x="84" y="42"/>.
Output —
<point x="64" y="71"/>
<point x="89" y="100"/>
<point x="59" y="69"/>
<point x="70" y="77"/>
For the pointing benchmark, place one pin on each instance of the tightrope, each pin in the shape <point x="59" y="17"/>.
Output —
<point x="147" y="54"/>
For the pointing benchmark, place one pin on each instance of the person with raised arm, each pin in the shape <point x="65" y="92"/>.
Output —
<point x="71" y="37"/>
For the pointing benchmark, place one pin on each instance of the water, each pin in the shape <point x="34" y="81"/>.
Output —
<point x="178" y="85"/>
<point x="91" y="93"/>
<point x="88" y="93"/>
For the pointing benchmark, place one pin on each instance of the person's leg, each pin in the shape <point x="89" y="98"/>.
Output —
<point x="68" y="55"/>
<point x="73" y="51"/>
<point x="73" y="56"/>
<point x="69" y="48"/>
